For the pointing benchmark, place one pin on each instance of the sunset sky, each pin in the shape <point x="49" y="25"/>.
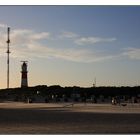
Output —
<point x="71" y="45"/>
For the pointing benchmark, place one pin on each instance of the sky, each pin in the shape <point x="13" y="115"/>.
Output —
<point x="71" y="45"/>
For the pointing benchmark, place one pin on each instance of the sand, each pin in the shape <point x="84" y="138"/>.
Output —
<point x="22" y="118"/>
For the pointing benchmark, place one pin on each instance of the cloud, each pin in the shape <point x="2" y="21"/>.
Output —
<point x="72" y="54"/>
<point x="132" y="53"/>
<point x="21" y="41"/>
<point x="66" y="34"/>
<point x="24" y="36"/>
<point x="3" y="26"/>
<point x="27" y="44"/>
<point x="38" y="36"/>
<point x="93" y="40"/>
<point x="37" y="50"/>
<point x="79" y="40"/>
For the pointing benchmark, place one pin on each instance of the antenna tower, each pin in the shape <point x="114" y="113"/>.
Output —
<point x="8" y="52"/>
<point x="94" y="84"/>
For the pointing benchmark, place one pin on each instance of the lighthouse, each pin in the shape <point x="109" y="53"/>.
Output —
<point x="24" y="79"/>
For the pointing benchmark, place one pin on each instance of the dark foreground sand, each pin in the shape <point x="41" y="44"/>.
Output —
<point x="20" y="118"/>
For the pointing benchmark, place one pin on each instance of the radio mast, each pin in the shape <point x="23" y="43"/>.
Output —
<point x="94" y="84"/>
<point x="8" y="52"/>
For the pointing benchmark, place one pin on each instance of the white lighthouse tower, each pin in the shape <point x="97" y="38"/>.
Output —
<point x="24" y="79"/>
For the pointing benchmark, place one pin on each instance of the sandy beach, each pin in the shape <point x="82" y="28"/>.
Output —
<point x="62" y="118"/>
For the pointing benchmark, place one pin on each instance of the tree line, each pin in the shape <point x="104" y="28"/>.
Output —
<point x="57" y="92"/>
